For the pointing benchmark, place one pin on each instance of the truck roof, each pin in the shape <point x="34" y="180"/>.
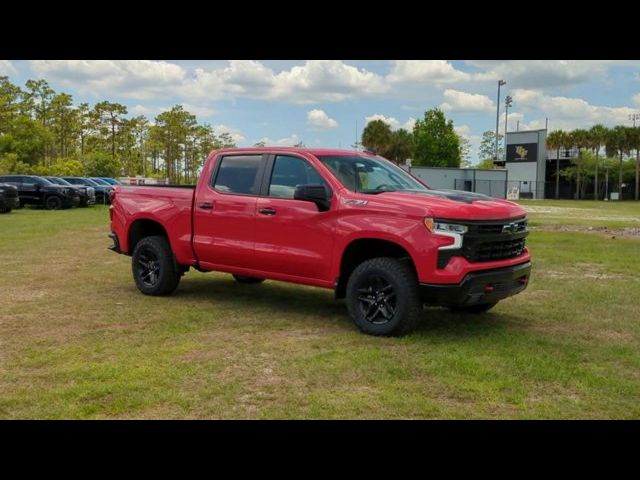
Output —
<point x="313" y="151"/>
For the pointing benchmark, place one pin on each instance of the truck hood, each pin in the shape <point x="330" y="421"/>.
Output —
<point x="457" y="204"/>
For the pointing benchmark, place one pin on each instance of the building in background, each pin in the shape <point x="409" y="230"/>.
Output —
<point x="526" y="163"/>
<point x="490" y="182"/>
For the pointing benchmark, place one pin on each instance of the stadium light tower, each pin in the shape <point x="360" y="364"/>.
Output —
<point x="500" y="83"/>
<point x="508" y="101"/>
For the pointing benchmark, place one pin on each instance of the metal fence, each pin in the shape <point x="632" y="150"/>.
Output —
<point x="540" y="190"/>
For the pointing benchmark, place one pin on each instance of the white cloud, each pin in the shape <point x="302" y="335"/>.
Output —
<point x="636" y="99"/>
<point x="7" y="68"/>
<point x="145" y="110"/>
<point x="236" y="135"/>
<point x="545" y="73"/>
<point x="320" y="120"/>
<point x="458" y="101"/>
<point x="289" y="141"/>
<point x="414" y="71"/>
<point x="199" y="110"/>
<point x="314" y="81"/>
<point x="129" y="78"/>
<point x="567" y="112"/>
<point x="393" y="122"/>
<point x="462" y="130"/>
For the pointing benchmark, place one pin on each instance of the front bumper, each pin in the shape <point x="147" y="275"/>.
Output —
<point x="486" y="286"/>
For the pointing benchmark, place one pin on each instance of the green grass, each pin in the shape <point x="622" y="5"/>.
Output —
<point x="77" y="340"/>
<point x="583" y="213"/>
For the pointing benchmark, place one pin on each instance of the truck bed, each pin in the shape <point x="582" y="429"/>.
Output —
<point x="171" y="205"/>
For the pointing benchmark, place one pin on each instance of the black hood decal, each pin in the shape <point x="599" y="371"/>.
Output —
<point x="456" y="195"/>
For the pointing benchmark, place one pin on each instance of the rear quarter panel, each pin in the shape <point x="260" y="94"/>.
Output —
<point x="170" y="207"/>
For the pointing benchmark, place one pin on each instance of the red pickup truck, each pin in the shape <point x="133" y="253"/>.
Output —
<point x="350" y="221"/>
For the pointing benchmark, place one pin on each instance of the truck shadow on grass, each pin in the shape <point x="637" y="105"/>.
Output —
<point x="313" y="303"/>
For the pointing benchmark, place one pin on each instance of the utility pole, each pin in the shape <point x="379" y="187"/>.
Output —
<point x="500" y="83"/>
<point x="518" y="126"/>
<point x="633" y="117"/>
<point x="508" y="100"/>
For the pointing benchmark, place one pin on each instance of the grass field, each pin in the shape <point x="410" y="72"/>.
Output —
<point x="77" y="340"/>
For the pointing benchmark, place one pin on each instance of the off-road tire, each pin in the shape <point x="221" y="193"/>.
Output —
<point x="53" y="203"/>
<point x="401" y="279"/>
<point x="165" y="277"/>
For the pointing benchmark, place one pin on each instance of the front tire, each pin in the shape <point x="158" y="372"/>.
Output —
<point x="480" y="308"/>
<point x="53" y="203"/>
<point x="153" y="266"/>
<point x="247" y="280"/>
<point x="383" y="297"/>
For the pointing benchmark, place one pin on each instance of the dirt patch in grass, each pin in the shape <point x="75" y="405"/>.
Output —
<point x="613" y="233"/>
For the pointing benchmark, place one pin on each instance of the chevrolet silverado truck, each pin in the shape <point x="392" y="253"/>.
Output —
<point x="349" y="221"/>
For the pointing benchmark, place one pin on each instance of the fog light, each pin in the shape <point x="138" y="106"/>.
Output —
<point x="523" y="280"/>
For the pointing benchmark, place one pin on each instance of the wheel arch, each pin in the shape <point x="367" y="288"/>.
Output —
<point x="144" y="227"/>
<point x="361" y="249"/>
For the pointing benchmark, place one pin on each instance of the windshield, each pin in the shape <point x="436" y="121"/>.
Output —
<point x="58" y="181"/>
<point x="370" y="174"/>
<point x="100" y="181"/>
<point x="43" y="181"/>
<point x="88" y="181"/>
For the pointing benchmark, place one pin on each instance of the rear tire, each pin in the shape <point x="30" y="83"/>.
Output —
<point x="153" y="266"/>
<point x="53" y="203"/>
<point x="383" y="297"/>
<point x="480" y="308"/>
<point x="247" y="280"/>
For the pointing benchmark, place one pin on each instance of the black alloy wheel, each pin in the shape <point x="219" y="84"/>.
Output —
<point x="377" y="300"/>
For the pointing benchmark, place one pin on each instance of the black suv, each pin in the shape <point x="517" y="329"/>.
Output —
<point x="8" y="198"/>
<point x="40" y="191"/>
<point x="87" y="194"/>
<point x="102" y="191"/>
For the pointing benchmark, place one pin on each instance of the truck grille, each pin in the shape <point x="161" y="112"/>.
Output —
<point x="488" y="241"/>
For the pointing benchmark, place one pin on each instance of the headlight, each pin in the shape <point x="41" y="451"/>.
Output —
<point x="453" y="230"/>
<point x="437" y="227"/>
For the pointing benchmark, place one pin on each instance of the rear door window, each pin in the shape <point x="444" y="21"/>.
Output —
<point x="239" y="174"/>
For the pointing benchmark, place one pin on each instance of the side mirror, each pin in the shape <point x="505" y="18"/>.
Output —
<point x="317" y="194"/>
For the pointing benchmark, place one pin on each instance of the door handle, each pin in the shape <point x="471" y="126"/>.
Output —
<point x="206" y="205"/>
<point x="267" y="211"/>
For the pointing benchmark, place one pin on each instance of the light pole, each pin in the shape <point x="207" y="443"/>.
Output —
<point x="508" y="100"/>
<point x="633" y="117"/>
<point x="500" y="83"/>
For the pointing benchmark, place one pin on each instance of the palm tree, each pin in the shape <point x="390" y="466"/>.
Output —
<point x="634" y="143"/>
<point x="618" y="144"/>
<point x="555" y="141"/>
<point x="597" y="136"/>
<point x="579" y="140"/>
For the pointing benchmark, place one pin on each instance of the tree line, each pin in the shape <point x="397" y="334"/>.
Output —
<point x="620" y="143"/>
<point x="433" y="142"/>
<point x="42" y="132"/>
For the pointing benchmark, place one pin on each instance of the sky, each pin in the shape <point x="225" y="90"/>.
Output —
<point x="326" y="103"/>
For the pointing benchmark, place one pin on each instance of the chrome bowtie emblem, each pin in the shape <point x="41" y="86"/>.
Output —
<point x="510" y="227"/>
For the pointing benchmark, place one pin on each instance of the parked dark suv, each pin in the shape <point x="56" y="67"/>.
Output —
<point x="8" y="198"/>
<point x="40" y="191"/>
<point x="87" y="194"/>
<point x="102" y="191"/>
